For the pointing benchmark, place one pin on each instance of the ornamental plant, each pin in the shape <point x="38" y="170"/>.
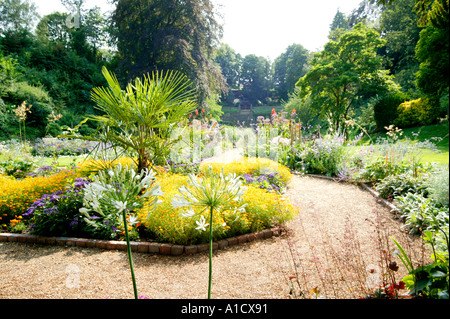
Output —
<point x="16" y="196"/>
<point x="139" y="119"/>
<point x="252" y="166"/>
<point x="57" y="214"/>
<point x="212" y="192"/>
<point x="269" y="181"/>
<point x="264" y="209"/>
<point x="115" y="195"/>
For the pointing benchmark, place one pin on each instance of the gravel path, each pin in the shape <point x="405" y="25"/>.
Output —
<point x="332" y="245"/>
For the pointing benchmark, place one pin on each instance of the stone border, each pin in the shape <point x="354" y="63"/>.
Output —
<point x="141" y="247"/>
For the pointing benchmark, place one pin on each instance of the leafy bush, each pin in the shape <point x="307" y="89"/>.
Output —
<point x="421" y="213"/>
<point x="385" y="109"/>
<point x="438" y="185"/>
<point x="398" y="185"/>
<point x="379" y="168"/>
<point x="323" y="155"/>
<point x="423" y="111"/>
<point x="17" y="167"/>
<point x="57" y="214"/>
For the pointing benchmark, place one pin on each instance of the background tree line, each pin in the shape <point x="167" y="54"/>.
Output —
<point x="384" y="53"/>
<point x="386" y="63"/>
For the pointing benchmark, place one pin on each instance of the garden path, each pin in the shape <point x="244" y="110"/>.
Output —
<point x="335" y="246"/>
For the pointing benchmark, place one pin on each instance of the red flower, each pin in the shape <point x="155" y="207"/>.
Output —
<point x="274" y="112"/>
<point x="190" y="115"/>
<point x="203" y="110"/>
<point x="196" y="112"/>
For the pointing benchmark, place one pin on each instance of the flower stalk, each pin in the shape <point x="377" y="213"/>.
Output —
<point x="213" y="191"/>
<point x="130" y="257"/>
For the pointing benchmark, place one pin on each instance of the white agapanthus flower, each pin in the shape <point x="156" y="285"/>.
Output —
<point x="118" y="189"/>
<point x="202" y="224"/>
<point x="214" y="191"/>
<point x="120" y="206"/>
<point x="189" y="213"/>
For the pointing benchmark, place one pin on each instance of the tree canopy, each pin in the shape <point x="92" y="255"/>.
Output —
<point x="346" y="70"/>
<point x="168" y="35"/>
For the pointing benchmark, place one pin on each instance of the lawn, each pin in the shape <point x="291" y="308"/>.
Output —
<point x="437" y="134"/>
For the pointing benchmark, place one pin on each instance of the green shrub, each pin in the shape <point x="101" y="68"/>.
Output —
<point x="57" y="214"/>
<point x="421" y="213"/>
<point x="379" y="168"/>
<point x="398" y="185"/>
<point x="438" y="185"/>
<point x="385" y="109"/>
<point x="17" y="167"/>
<point x="323" y="155"/>
<point x="423" y="111"/>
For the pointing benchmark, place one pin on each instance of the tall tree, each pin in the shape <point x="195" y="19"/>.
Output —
<point x="17" y="14"/>
<point x="345" y="71"/>
<point x="169" y="34"/>
<point x="398" y="24"/>
<point x="367" y="12"/>
<point x="340" y="21"/>
<point x="230" y="64"/>
<point x="432" y="51"/>
<point x="288" y="68"/>
<point x="423" y="8"/>
<point x="255" y="78"/>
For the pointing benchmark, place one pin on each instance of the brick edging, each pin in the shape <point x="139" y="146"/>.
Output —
<point x="141" y="247"/>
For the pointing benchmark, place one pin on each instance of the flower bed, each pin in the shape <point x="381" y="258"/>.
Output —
<point x="50" y="206"/>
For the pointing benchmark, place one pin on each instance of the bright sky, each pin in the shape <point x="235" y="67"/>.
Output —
<point x="262" y="27"/>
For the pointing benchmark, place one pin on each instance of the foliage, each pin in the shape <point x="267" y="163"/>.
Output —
<point x="324" y="155"/>
<point x="432" y="280"/>
<point x="432" y="53"/>
<point x="385" y="108"/>
<point x="57" y="214"/>
<point x="423" y="111"/>
<point x="346" y="70"/>
<point x="421" y="213"/>
<point x="168" y="35"/>
<point x="254" y="81"/>
<point x="16" y="14"/>
<point x="393" y="186"/>
<point x="379" y="168"/>
<point x="17" y="167"/>
<point x="398" y="24"/>
<point x="437" y="185"/>
<point x="140" y="119"/>
<point x="16" y="196"/>
<point x="288" y="68"/>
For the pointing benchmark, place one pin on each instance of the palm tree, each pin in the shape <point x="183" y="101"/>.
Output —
<point x="140" y="118"/>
